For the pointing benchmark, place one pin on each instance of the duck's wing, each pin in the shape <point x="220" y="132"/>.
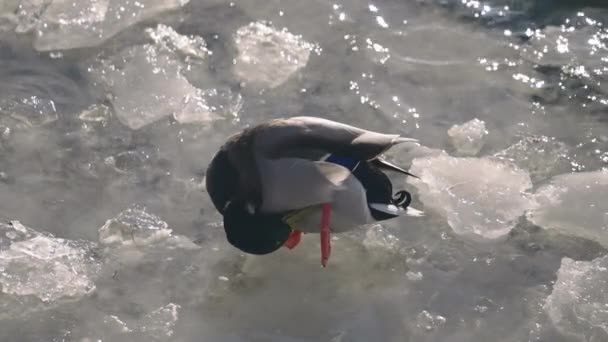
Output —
<point x="295" y="183"/>
<point x="288" y="137"/>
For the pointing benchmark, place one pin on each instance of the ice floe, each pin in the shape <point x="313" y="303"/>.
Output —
<point x="477" y="196"/>
<point x="267" y="57"/>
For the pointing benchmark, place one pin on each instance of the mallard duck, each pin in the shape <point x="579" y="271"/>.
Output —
<point x="278" y="179"/>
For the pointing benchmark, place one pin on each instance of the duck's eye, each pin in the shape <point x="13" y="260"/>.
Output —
<point x="402" y="198"/>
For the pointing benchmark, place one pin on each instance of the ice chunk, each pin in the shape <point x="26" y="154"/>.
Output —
<point x="69" y="24"/>
<point x="30" y="111"/>
<point x="116" y="325"/>
<point x="214" y="100"/>
<point x="146" y="82"/>
<point x="428" y="322"/>
<point x="468" y="138"/>
<point x="578" y="305"/>
<point x="268" y="57"/>
<point x="159" y="323"/>
<point x="96" y="113"/>
<point x="8" y="19"/>
<point x="478" y="196"/>
<point x="575" y="204"/>
<point x="39" y="271"/>
<point x="190" y="46"/>
<point x="541" y="156"/>
<point x="136" y="227"/>
<point x="146" y="85"/>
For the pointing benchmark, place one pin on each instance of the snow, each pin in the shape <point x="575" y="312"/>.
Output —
<point x="477" y="196"/>
<point x="468" y="138"/>
<point x="578" y="305"/>
<point x="574" y="204"/>
<point x="268" y="57"/>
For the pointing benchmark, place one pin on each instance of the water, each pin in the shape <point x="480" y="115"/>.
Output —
<point x="111" y="109"/>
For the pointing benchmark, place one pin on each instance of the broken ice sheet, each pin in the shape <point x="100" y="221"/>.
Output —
<point x="267" y="57"/>
<point x="468" y="138"/>
<point x="477" y="196"/>
<point x="541" y="156"/>
<point x="578" y="305"/>
<point x="135" y="226"/>
<point x="574" y="204"/>
<point x="39" y="271"/>
<point x="69" y="24"/>
<point x="189" y="46"/>
<point x="31" y="111"/>
<point x="159" y="323"/>
<point x="96" y="113"/>
<point x="145" y="83"/>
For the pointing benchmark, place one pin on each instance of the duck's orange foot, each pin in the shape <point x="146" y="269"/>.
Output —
<point x="293" y="240"/>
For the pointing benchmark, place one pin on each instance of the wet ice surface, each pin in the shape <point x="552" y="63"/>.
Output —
<point x="111" y="109"/>
<point x="577" y="304"/>
<point x="574" y="204"/>
<point x="477" y="196"/>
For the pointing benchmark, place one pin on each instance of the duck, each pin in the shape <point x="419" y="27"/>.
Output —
<point x="274" y="181"/>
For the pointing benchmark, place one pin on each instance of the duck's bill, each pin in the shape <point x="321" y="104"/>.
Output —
<point x="392" y="209"/>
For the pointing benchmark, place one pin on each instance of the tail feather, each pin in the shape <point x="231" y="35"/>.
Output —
<point x="383" y="164"/>
<point x="392" y="209"/>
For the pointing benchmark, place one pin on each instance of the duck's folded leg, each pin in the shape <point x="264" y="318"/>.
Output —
<point x="325" y="234"/>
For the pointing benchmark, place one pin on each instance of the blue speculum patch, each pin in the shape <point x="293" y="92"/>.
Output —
<point x="348" y="162"/>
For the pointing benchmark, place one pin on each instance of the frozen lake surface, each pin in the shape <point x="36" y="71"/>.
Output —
<point x="111" y="109"/>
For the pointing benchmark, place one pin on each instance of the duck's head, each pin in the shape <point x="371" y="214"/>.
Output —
<point x="222" y="181"/>
<point x="254" y="233"/>
<point x="249" y="231"/>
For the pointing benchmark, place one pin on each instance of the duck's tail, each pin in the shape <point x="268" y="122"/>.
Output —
<point x="395" y="210"/>
<point x="383" y="164"/>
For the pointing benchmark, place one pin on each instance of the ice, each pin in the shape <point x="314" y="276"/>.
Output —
<point x="69" y="24"/>
<point x="578" y="305"/>
<point x="8" y="19"/>
<point x="159" y="323"/>
<point x="32" y="111"/>
<point x="477" y="196"/>
<point x="428" y="322"/>
<point x="268" y="57"/>
<point x="148" y="267"/>
<point x="96" y="113"/>
<point x="137" y="227"/>
<point x="574" y="204"/>
<point x="146" y="84"/>
<point x="468" y="138"/>
<point x="39" y="271"/>
<point x="189" y="46"/>
<point x="541" y="156"/>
